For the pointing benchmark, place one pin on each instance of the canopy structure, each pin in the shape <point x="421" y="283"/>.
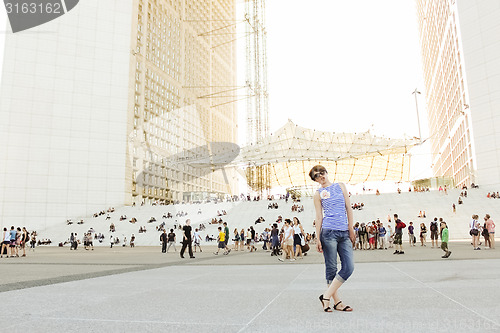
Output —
<point x="292" y="151"/>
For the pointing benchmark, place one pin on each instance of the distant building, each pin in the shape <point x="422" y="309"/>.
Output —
<point x="93" y="102"/>
<point x="460" y="42"/>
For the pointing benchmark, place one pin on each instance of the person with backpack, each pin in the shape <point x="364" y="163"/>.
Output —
<point x="434" y="232"/>
<point x="398" y="235"/>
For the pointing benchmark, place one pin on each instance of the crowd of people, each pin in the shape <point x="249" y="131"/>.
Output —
<point x="374" y="235"/>
<point x="14" y="241"/>
<point x="104" y="212"/>
<point x="478" y="229"/>
<point x="358" y="205"/>
<point x="287" y="242"/>
<point x="297" y="208"/>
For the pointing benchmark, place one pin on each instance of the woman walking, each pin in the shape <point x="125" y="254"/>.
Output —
<point x="5" y="242"/>
<point x="490" y="225"/>
<point x="474" y="232"/>
<point x="197" y="240"/>
<point x="275" y="240"/>
<point x="298" y="238"/>
<point x="236" y="239"/>
<point x="485" y="234"/>
<point x="335" y="228"/>
<point x="287" y="243"/>
<point x="242" y="239"/>
<point x="423" y="234"/>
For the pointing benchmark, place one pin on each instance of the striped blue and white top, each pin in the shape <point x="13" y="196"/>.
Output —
<point x="334" y="211"/>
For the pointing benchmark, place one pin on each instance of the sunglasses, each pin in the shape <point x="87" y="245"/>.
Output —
<point x="321" y="173"/>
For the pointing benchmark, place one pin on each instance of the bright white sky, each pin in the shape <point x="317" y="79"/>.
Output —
<point x="344" y="65"/>
<point x="340" y="66"/>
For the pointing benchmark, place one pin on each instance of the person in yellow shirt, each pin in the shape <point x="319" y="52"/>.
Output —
<point x="222" y="242"/>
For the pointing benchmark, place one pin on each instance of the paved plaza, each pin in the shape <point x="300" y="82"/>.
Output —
<point x="143" y="290"/>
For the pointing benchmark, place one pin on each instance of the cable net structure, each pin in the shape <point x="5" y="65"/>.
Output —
<point x="352" y="158"/>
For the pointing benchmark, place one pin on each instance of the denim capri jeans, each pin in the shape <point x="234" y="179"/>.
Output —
<point x="336" y="242"/>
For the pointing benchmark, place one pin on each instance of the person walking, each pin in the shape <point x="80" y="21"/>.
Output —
<point x="411" y="234"/>
<point x="171" y="240"/>
<point x="251" y="232"/>
<point x="5" y="242"/>
<point x="423" y="234"/>
<point x="356" y="245"/>
<point x="363" y="237"/>
<point x="71" y="240"/>
<point x="236" y="239"/>
<point x="164" y="241"/>
<point x="371" y="235"/>
<point x="33" y="240"/>
<point x="186" y="240"/>
<point x="490" y="225"/>
<point x="226" y="231"/>
<point x="298" y="238"/>
<point x="287" y="242"/>
<point x="382" y="232"/>
<point x="265" y="238"/>
<point x="398" y="235"/>
<point x="444" y="240"/>
<point x="242" y="240"/>
<point x="275" y="240"/>
<point x="485" y="233"/>
<point x="434" y="232"/>
<point x="197" y="240"/>
<point x="221" y="242"/>
<point x="334" y="225"/>
<point x="474" y="232"/>
<point x="25" y="237"/>
<point x="12" y="245"/>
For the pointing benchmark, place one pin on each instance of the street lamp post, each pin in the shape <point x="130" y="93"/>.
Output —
<point x="416" y="92"/>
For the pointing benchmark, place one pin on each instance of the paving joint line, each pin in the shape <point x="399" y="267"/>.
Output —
<point x="445" y="296"/>
<point x="276" y="297"/>
<point x="84" y="276"/>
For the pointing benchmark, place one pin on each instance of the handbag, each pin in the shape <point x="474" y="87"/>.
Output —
<point x="305" y="248"/>
<point x="302" y="240"/>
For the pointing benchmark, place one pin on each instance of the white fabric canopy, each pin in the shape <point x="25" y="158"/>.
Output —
<point x="349" y="157"/>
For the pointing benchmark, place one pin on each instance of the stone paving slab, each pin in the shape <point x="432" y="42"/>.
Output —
<point x="423" y="296"/>
<point x="49" y="265"/>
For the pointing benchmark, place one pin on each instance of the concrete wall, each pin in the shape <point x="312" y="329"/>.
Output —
<point x="63" y="106"/>
<point x="480" y="29"/>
